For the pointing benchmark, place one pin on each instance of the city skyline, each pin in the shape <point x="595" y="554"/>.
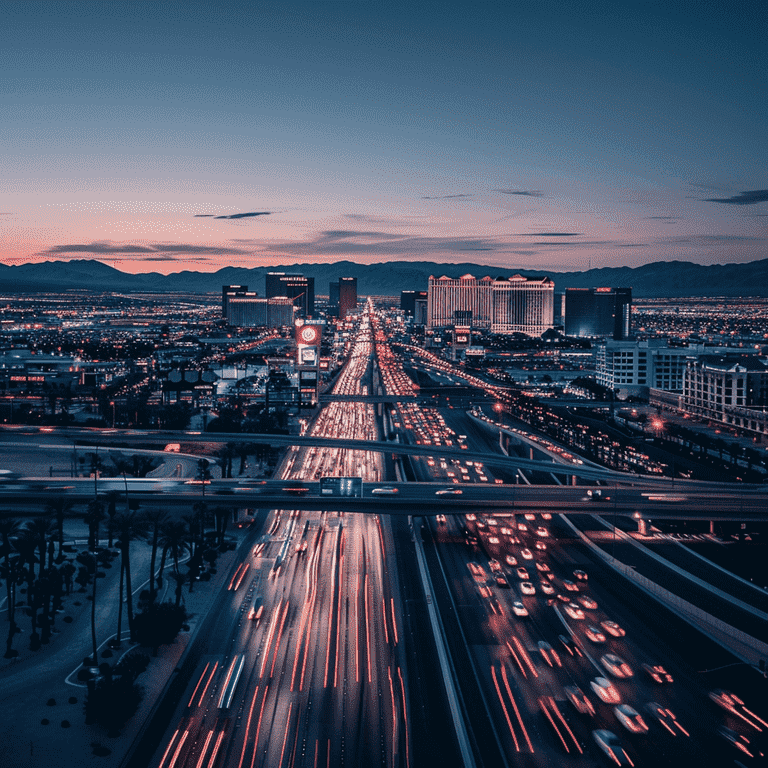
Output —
<point x="163" y="137"/>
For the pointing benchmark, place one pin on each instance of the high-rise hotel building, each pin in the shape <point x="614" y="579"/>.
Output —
<point x="514" y="305"/>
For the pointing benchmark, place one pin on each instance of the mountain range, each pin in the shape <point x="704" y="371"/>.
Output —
<point x="664" y="279"/>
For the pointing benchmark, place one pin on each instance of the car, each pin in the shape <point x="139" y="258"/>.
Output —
<point x="546" y="588"/>
<point x="522" y="574"/>
<point x="527" y="588"/>
<point x="256" y="613"/>
<point x="580" y="575"/>
<point x="738" y="740"/>
<point x="612" y="628"/>
<point x="449" y="492"/>
<point x="296" y="490"/>
<point x="441" y="519"/>
<point x="610" y="744"/>
<point x="594" y="634"/>
<point x="657" y="673"/>
<point x="665" y="717"/>
<point x="543" y="567"/>
<point x="301" y="547"/>
<point x="529" y="516"/>
<point x="509" y="560"/>
<point x="494" y="565"/>
<point x="563" y="598"/>
<point x="549" y="654"/>
<point x="574" y="611"/>
<point x="540" y="545"/>
<point x="605" y="690"/>
<point x="570" y="586"/>
<point x="630" y="718"/>
<point x="519" y="609"/>
<point x="501" y="580"/>
<point x="587" y="602"/>
<point x="493" y="540"/>
<point x="386" y="490"/>
<point x="542" y="531"/>
<point x="616" y="665"/>
<point x="526" y="554"/>
<point x="471" y="517"/>
<point x="579" y="699"/>
<point x="505" y="531"/>
<point x="570" y="645"/>
<point x="546" y="516"/>
<point x="522" y="527"/>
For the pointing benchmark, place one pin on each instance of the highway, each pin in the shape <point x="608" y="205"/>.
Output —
<point x="309" y="668"/>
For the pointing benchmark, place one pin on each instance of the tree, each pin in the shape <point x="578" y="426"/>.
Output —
<point x="111" y="498"/>
<point x="142" y="465"/>
<point x="130" y="526"/>
<point x="174" y="540"/>
<point x="91" y="567"/>
<point x="40" y="528"/>
<point x="9" y="528"/>
<point x="112" y="701"/>
<point x="93" y="516"/>
<point x="154" y="519"/>
<point x="159" y="624"/>
<point x="58" y="509"/>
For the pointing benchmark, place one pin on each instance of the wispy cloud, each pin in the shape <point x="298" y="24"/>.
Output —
<point x="521" y="192"/>
<point x="743" y="198"/>
<point x="445" y="197"/>
<point x="233" y="215"/>
<point x="150" y="251"/>
<point x="549" y="234"/>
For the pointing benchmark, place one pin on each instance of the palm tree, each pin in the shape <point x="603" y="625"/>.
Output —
<point x="93" y="517"/>
<point x="154" y="519"/>
<point x="174" y="541"/>
<point x="40" y="529"/>
<point x="58" y="509"/>
<point x="9" y="527"/>
<point x="221" y="515"/>
<point x="130" y="526"/>
<point x="89" y="561"/>
<point x="111" y="498"/>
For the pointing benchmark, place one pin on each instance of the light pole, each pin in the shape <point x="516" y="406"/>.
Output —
<point x="112" y="403"/>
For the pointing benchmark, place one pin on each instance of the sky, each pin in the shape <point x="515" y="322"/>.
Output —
<point x="167" y="136"/>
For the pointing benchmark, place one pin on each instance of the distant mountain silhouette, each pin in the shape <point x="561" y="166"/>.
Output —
<point x="662" y="278"/>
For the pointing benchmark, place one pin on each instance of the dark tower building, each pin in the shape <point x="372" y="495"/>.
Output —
<point x="408" y="301"/>
<point x="347" y="296"/>
<point x="333" y="298"/>
<point x="594" y="312"/>
<point x="230" y="290"/>
<point x="300" y="289"/>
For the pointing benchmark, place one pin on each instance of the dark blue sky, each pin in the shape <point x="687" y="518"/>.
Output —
<point x="553" y="136"/>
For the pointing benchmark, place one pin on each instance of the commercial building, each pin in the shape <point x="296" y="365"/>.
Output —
<point x="231" y="290"/>
<point x="347" y="296"/>
<point x="333" y="298"/>
<point x="596" y="312"/>
<point x="523" y="305"/>
<point x="637" y="366"/>
<point x="408" y="301"/>
<point x="298" y="288"/>
<point x="514" y="305"/>
<point x="251" y="312"/>
<point x="732" y="389"/>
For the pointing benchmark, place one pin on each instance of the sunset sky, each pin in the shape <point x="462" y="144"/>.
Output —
<point x="161" y="136"/>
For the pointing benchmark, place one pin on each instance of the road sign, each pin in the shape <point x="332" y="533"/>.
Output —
<point x="341" y="486"/>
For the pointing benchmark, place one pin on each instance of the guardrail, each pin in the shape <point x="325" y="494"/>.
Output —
<point x="745" y="647"/>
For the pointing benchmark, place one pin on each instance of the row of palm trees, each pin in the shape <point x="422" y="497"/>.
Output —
<point x="28" y="559"/>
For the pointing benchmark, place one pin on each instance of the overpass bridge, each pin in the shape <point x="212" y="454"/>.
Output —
<point x="398" y="498"/>
<point x="125" y="438"/>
